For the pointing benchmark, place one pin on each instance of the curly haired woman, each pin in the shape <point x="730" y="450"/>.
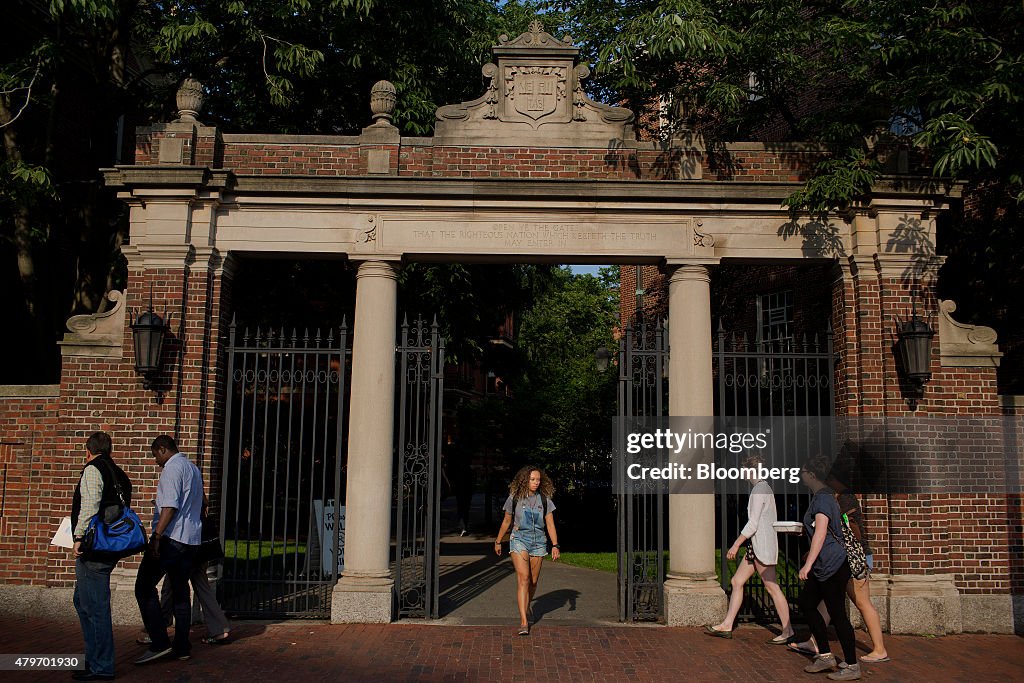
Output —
<point x="528" y="510"/>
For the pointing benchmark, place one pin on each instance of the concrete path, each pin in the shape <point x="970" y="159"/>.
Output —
<point x="479" y="588"/>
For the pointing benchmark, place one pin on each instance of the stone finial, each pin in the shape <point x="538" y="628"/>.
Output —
<point x="382" y="101"/>
<point x="189" y="99"/>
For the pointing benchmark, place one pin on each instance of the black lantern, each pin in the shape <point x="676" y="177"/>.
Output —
<point x="602" y="358"/>
<point x="148" y="330"/>
<point x="914" y="349"/>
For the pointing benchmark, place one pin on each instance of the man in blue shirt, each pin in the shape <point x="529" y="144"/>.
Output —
<point x="177" y="524"/>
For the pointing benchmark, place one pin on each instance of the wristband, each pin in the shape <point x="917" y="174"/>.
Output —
<point x="555" y="546"/>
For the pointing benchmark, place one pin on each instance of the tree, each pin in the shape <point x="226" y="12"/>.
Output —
<point x="941" y="80"/>
<point x="76" y="77"/>
<point x="564" y="405"/>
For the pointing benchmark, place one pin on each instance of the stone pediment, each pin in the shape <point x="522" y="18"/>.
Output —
<point x="534" y="97"/>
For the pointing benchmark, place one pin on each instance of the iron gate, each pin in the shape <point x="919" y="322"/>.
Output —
<point x="764" y="379"/>
<point x="421" y="378"/>
<point x="643" y="358"/>
<point x="281" y="481"/>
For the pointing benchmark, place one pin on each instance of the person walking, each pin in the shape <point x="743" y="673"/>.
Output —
<point x="529" y="512"/>
<point x="95" y="492"/>
<point x="172" y="547"/>
<point x="825" y="573"/>
<point x="858" y="590"/>
<point x="217" y="628"/>
<point x="761" y="556"/>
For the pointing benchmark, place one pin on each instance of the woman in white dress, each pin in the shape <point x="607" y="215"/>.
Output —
<point x="761" y="556"/>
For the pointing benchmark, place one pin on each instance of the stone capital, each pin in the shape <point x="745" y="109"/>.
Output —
<point x="377" y="268"/>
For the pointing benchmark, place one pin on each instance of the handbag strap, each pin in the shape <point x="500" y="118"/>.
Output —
<point x="117" y="486"/>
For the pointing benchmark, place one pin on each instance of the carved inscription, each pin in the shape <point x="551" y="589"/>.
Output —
<point x="556" y="237"/>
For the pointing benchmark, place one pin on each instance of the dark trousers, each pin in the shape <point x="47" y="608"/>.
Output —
<point x="833" y="591"/>
<point x="175" y="562"/>
<point x="92" y="602"/>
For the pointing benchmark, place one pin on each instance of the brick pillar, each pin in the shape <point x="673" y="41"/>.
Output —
<point x="100" y="389"/>
<point x="937" y="570"/>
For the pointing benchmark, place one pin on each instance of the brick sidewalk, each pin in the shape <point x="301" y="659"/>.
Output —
<point x="415" y="652"/>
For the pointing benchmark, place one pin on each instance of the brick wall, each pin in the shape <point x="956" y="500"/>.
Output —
<point x="46" y="437"/>
<point x="346" y="156"/>
<point x="28" y="423"/>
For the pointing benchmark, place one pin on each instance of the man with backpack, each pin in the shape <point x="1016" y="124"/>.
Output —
<point x="96" y="494"/>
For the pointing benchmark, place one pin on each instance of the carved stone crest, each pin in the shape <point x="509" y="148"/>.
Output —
<point x="535" y="91"/>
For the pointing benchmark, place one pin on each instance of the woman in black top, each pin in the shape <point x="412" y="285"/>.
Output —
<point x="826" y="573"/>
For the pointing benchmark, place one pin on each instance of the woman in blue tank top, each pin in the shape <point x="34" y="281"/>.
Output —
<point x="528" y="511"/>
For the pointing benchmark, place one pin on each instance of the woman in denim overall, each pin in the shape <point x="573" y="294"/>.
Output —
<point x="528" y="510"/>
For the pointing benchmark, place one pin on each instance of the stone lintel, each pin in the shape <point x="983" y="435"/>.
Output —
<point x="29" y="390"/>
<point x="136" y="176"/>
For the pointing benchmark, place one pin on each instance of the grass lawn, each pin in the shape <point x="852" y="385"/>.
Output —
<point x="254" y="550"/>
<point x="608" y="562"/>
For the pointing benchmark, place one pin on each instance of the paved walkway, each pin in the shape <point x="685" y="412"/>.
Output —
<point x="414" y="653"/>
<point x="478" y="588"/>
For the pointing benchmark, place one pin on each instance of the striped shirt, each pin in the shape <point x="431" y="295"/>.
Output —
<point x="91" y="489"/>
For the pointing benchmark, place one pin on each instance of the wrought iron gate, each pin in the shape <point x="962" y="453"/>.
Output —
<point x="778" y="378"/>
<point x="281" y="480"/>
<point x="643" y="358"/>
<point x="420" y="378"/>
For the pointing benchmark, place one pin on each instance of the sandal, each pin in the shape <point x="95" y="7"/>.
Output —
<point x="712" y="631"/>
<point x="217" y="640"/>
<point x="873" y="660"/>
<point x="524" y="630"/>
<point x="782" y="640"/>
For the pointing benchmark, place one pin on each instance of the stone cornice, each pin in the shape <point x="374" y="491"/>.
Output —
<point x="544" y="189"/>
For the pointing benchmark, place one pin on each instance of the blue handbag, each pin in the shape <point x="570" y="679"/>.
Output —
<point x="119" y="537"/>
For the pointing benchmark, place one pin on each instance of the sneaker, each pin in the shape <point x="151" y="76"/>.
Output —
<point x="847" y="672"/>
<point x="182" y="656"/>
<point x="152" y="655"/>
<point x="826" y="662"/>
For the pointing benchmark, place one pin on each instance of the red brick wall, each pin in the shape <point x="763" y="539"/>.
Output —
<point x="27" y="435"/>
<point x="349" y="158"/>
<point x="106" y="394"/>
<point x="966" y="535"/>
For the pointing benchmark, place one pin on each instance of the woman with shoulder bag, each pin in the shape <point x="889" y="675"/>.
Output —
<point x="528" y="510"/>
<point x="858" y="589"/>
<point x="826" y="573"/>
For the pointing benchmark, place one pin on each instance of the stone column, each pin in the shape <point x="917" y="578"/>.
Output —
<point x="364" y="592"/>
<point x="693" y="595"/>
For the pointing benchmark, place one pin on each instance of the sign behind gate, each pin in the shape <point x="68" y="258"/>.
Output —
<point x="325" y="524"/>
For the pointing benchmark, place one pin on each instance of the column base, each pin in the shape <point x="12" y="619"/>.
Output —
<point x="924" y="605"/>
<point x="987" y="613"/>
<point x="693" y="601"/>
<point x="362" y="600"/>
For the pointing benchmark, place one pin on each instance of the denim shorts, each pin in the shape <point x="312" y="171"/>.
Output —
<point x="535" y="547"/>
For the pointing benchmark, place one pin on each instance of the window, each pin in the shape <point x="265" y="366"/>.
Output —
<point x="775" y="317"/>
